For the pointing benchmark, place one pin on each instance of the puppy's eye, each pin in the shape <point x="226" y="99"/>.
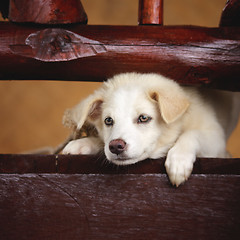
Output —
<point x="144" y="119"/>
<point x="108" y="121"/>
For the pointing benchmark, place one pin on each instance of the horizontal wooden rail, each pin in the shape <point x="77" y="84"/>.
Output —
<point x="84" y="164"/>
<point x="137" y="202"/>
<point x="141" y="207"/>
<point x="189" y="55"/>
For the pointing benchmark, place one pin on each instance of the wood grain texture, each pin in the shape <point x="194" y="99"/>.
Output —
<point x="97" y="164"/>
<point x="47" y="11"/>
<point x="189" y="55"/>
<point x="83" y="197"/>
<point x="59" y="206"/>
<point x="150" y="12"/>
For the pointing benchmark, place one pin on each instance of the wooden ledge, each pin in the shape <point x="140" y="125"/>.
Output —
<point x="36" y="202"/>
<point x="84" y="164"/>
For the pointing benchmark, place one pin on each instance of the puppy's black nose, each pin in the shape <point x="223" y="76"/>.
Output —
<point x="117" y="146"/>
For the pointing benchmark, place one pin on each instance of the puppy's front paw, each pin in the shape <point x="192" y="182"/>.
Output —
<point x="179" y="166"/>
<point x="82" y="146"/>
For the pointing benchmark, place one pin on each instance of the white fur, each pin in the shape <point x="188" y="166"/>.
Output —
<point x="185" y="122"/>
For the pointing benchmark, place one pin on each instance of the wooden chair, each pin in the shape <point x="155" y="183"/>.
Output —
<point x="80" y="197"/>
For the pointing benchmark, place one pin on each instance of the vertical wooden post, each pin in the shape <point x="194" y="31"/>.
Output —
<point x="150" y="12"/>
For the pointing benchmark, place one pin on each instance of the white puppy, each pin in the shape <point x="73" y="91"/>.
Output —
<point x="139" y="116"/>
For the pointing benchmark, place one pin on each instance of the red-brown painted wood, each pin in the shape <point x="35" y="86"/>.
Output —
<point x="47" y="12"/>
<point x="85" y="164"/>
<point x="231" y="14"/>
<point x="189" y="55"/>
<point x="84" y="197"/>
<point x="150" y="12"/>
<point x="125" y="206"/>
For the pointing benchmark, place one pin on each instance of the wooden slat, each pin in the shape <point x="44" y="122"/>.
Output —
<point x="190" y="55"/>
<point x="91" y="199"/>
<point x="59" y="206"/>
<point x="85" y="164"/>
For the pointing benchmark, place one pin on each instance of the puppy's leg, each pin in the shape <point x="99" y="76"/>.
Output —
<point x="180" y="158"/>
<point x="88" y="145"/>
<point x="201" y="143"/>
<point x="182" y="155"/>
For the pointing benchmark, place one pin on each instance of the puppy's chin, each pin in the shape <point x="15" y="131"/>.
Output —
<point x="125" y="161"/>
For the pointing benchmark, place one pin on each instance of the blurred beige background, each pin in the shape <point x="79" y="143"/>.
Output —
<point x="31" y="111"/>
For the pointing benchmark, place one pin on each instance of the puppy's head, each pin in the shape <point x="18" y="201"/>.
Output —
<point x="133" y="114"/>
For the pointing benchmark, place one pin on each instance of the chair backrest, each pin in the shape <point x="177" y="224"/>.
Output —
<point x="189" y="55"/>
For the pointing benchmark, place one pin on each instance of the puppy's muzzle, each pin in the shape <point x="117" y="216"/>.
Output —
<point x="117" y="146"/>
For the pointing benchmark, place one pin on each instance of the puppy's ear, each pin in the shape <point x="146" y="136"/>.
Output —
<point x="87" y="110"/>
<point x="172" y="103"/>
